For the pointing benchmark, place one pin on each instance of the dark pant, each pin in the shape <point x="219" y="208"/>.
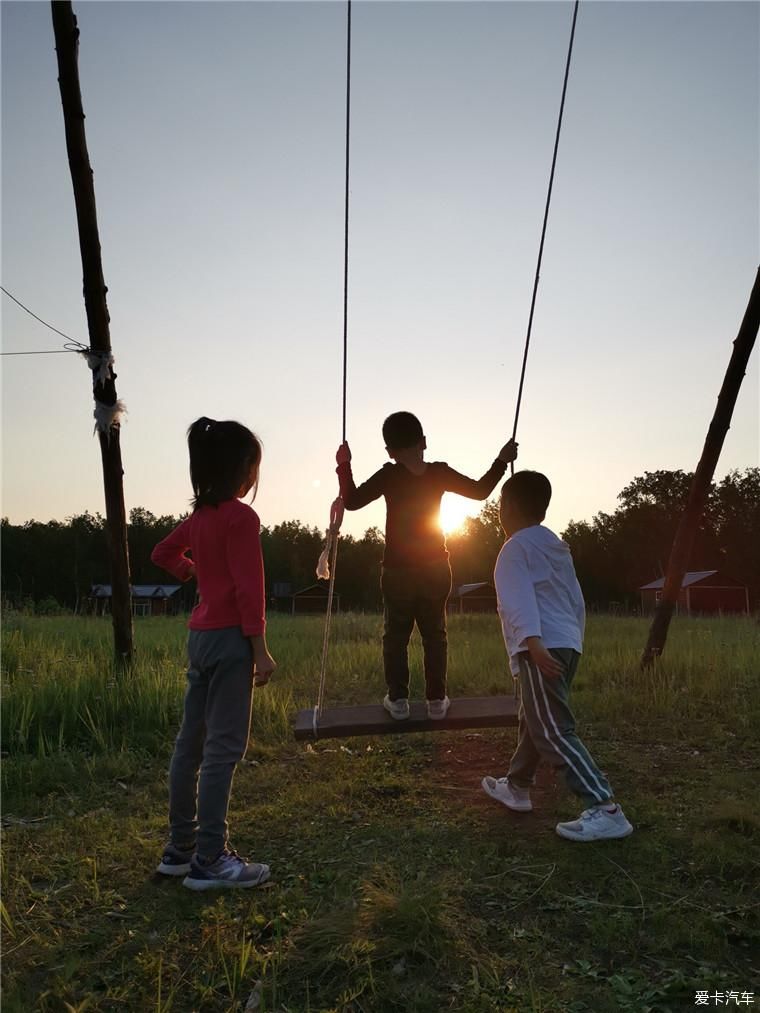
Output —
<point x="547" y="732"/>
<point x="416" y="595"/>
<point x="212" y="739"/>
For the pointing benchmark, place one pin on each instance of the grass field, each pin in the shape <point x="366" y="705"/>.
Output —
<point x="397" y="884"/>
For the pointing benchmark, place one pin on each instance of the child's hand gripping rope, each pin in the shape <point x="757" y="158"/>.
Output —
<point x="508" y="453"/>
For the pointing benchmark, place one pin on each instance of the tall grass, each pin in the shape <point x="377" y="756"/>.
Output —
<point x="60" y="690"/>
<point x="398" y="885"/>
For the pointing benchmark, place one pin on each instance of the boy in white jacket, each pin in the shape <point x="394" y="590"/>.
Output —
<point x="543" y="618"/>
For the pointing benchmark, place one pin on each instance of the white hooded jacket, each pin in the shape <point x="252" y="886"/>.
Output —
<point x="538" y="592"/>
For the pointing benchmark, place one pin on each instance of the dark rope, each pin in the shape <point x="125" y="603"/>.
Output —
<point x="333" y="549"/>
<point x="345" y="230"/>
<point x="546" y="219"/>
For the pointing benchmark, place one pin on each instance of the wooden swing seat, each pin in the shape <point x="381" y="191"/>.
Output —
<point x="373" y="719"/>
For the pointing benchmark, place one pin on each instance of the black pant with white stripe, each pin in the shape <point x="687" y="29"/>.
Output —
<point x="547" y="732"/>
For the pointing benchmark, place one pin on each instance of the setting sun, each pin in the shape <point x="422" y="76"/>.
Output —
<point x="454" y="512"/>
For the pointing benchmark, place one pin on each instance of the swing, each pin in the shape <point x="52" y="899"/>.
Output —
<point x="373" y="719"/>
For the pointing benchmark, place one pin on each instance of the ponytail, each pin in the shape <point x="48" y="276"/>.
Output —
<point x="221" y="457"/>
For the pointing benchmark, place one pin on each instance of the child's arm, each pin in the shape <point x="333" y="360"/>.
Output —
<point x="354" y="498"/>
<point x="246" y="563"/>
<point x="547" y="663"/>
<point x="483" y="487"/>
<point x="263" y="662"/>
<point x="246" y="566"/>
<point x="518" y="607"/>
<point x="170" y="553"/>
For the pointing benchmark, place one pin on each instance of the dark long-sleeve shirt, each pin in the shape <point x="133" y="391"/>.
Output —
<point x="413" y="534"/>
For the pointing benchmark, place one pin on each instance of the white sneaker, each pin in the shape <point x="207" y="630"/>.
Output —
<point x="398" y="709"/>
<point x="438" y="709"/>
<point x="517" y="799"/>
<point x="596" y="824"/>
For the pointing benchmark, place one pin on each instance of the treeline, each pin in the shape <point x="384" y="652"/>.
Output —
<point x="618" y="552"/>
<point x="47" y="566"/>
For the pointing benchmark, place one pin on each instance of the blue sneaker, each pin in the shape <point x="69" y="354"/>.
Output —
<point x="175" y="861"/>
<point x="228" y="871"/>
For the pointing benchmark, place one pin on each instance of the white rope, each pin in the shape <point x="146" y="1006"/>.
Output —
<point x="326" y="569"/>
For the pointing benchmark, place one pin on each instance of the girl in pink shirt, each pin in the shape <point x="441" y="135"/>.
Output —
<point x="227" y="653"/>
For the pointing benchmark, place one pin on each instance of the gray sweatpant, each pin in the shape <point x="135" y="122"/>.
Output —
<point x="547" y="732"/>
<point x="212" y="739"/>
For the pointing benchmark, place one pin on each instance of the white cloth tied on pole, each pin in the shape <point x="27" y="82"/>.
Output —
<point x="108" y="415"/>
<point x="336" y="519"/>
<point x="100" y="363"/>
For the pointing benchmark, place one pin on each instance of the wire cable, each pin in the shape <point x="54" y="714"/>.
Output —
<point x="44" y="322"/>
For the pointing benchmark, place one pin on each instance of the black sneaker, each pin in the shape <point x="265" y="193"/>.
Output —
<point x="227" y="871"/>
<point x="175" y="862"/>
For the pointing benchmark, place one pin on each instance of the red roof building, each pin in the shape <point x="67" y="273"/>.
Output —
<point x="702" y="591"/>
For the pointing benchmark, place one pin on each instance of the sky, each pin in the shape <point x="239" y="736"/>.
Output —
<point x="216" y="136"/>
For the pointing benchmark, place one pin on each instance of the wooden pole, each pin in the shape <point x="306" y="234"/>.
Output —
<point x="103" y="387"/>
<point x="700" y="484"/>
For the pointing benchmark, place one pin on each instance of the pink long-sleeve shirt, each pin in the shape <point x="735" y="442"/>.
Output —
<point x="226" y="546"/>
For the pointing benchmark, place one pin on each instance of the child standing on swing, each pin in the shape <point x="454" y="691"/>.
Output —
<point x="227" y="652"/>
<point x="416" y="576"/>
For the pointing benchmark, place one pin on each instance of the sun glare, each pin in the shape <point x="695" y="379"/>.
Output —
<point x="454" y="512"/>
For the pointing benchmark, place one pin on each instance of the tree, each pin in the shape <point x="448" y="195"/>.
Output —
<point x="474" y="547"/>
<point x="735" y="509"/>
<point x="291" y="551"/>
<point x="357" y="576"/>
<point x="616" y="553"/>
<point x="145" y="530"/>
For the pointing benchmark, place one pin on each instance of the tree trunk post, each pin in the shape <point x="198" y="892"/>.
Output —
<point x="107" y="407"/>
<point x="683" y="542"/>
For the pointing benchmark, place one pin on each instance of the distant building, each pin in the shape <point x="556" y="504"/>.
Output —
<point x="702" y="591"/>
<point x="147" y="599"/>
<point x="313" y="600"/>
<point x="281" y="598"/>
<point x="473" y="598"/>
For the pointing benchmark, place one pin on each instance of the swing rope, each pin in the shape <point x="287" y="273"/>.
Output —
<point x="328" y="559"/>
<point x="326" y="568"/>
<point x="543" y="229"/>
<point x="345" y="226"/>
